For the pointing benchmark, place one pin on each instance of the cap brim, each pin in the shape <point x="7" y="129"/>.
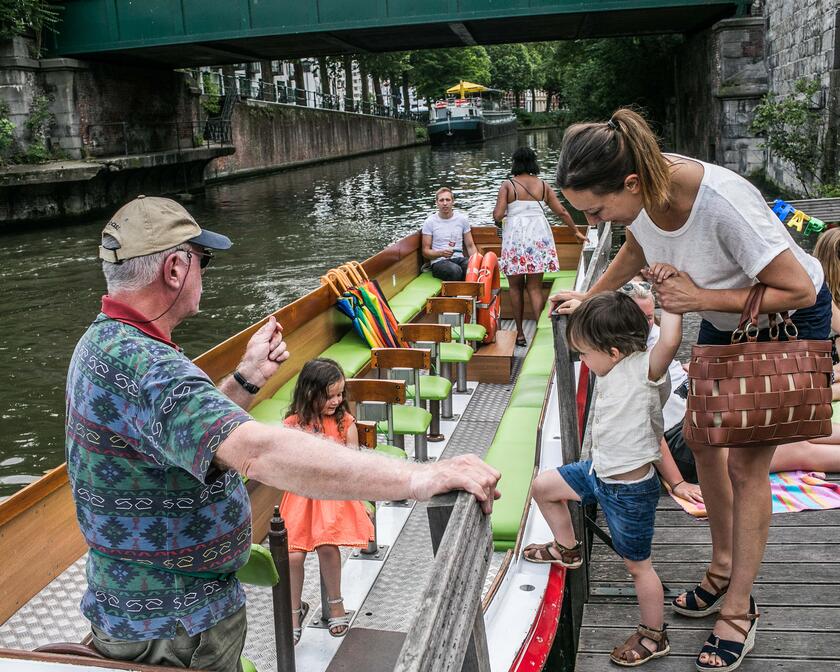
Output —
<point x="215" y="241"/>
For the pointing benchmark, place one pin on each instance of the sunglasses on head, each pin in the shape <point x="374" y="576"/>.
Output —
<point x="633" y="286"/>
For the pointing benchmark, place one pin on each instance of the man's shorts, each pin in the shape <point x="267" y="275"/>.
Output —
<point x="630" y="509"/>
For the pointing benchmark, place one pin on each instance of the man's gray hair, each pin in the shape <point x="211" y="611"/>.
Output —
<point x="132" y="274"/>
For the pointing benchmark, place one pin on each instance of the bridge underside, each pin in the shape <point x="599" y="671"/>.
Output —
<point x="168" y="35"/>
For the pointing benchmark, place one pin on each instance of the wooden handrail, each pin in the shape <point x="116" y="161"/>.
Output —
<point x="448" y="632"/>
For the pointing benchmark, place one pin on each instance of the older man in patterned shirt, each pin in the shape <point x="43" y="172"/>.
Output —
<point x="155" y="450"/>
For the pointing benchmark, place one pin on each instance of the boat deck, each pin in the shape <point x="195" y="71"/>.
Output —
<point x="797" y="593"/>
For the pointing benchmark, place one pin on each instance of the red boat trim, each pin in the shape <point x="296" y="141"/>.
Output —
<point x="534" y="651"/>
<point x="582" y="392"/>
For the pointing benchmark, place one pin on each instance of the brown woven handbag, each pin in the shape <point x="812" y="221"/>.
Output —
<point x="759" y="394"/>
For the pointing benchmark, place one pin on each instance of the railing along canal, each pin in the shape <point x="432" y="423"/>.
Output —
<point x="574" y="437"/>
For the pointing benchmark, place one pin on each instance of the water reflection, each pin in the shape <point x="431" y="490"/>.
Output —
<point x="287" y="229"/>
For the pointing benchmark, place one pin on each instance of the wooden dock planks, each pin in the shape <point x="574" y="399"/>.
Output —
<point x="797" y="591"/>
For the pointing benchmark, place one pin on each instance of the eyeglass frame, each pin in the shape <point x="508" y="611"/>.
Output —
<point x="205" y="256"/>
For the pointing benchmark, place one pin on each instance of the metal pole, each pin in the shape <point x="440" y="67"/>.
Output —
<point x="281" y="594"/>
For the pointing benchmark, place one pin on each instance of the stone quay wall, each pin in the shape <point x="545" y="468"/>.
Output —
<point x="269" y="136"/>
<point x="803" y="41"/>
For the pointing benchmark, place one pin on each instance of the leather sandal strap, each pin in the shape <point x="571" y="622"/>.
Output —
<point x="652" y="634"/>
<point x="713" y="583"/>
<point x="739" y="617"/>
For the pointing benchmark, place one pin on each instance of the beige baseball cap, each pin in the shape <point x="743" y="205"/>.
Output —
<point x="150" y="224"/>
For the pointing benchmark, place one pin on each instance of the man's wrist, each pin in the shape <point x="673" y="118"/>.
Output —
<point x="250" y="385"/>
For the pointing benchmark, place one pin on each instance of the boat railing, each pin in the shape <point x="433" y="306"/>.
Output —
<point x="574" y="435"/>
<point x="448" y="633"/>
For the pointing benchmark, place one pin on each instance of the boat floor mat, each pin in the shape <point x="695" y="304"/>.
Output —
<point x="368" y="650"/>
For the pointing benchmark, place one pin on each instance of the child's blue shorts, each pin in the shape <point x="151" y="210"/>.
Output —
<point x="630" y="510"/>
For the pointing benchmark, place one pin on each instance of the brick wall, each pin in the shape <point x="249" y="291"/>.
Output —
<point x="803" y="40"/>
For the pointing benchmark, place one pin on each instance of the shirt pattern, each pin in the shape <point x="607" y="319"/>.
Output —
<point x="142" y="426"/>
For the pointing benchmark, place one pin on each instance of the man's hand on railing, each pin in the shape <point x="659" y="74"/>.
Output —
<point x="465" y="472"/>
<point x="563" y="303"/>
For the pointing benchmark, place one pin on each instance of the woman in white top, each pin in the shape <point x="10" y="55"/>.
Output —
<point x="527" y="242"/>
<point x="715" y="228"/>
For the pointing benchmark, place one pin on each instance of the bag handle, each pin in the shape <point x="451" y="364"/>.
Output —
<point x="748" y="324"/>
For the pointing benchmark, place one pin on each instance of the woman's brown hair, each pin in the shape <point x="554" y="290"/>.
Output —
<point x="827" y="250"/>
<point x="600" y="155"/>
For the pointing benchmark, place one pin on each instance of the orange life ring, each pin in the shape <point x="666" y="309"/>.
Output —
<point x="485" y="269"/>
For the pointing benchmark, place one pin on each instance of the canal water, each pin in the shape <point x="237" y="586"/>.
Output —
<point x="287" y="228"/>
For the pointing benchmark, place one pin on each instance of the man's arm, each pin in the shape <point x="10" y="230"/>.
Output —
<point x="429" y="253"/>
<point x="469" y="244"/>
<point x="558" y="209"/>
<point x="290" y="459"/>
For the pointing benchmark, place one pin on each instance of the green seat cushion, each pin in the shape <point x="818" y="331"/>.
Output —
<point x="472" y="332"/>
<point x="458" y="353"/>
<point x="247" y="665"/>
<point x="539" y="362"/>
<point x="529" y="391"/>
<point x="287" y="391"/>
<point x="567" y="274"/>
<point x="544" y="339"/>
<point x="270" y="411"/>
<point x="835" y="416"/>
<point x="407" y="420"/>
<point x="404" y="313"/>
<point x="260" y="569"/>
<point x="425" y="281"/>
<point x="431" y="387"/>
<point x="565" y="278"/>
<point x="350" y="354"/>
<point x="512" y="453"/>
<point x="391" y="451"/>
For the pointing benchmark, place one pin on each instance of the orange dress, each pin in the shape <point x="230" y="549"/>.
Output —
<point x="317" y="522"/>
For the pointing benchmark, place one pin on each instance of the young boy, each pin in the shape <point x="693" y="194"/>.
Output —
<point x="610" y="332"/>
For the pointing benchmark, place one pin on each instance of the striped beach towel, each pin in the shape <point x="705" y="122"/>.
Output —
<point x="791" y="491"/>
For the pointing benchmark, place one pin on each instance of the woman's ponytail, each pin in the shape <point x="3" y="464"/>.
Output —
<point x="599" y="156"/>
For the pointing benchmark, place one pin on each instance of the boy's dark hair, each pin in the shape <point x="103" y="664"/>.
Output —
<point x="524" y="160"/>
<point x="310" y="394"/>
<point x="609" y="320"/>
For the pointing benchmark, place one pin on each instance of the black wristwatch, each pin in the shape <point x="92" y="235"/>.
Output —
<point x="250" y="388"/>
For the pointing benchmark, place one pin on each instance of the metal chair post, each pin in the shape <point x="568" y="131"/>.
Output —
<point x="281" y="594"/>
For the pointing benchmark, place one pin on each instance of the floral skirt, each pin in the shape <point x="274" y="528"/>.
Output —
<point x="527" y="245"/>
<point x="318" y="522"/>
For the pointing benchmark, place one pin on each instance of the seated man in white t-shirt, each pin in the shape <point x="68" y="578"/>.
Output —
<point x="446" y="235"/>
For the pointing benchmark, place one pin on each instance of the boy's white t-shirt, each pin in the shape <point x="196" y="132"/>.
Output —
<point x="627" y="424"/>
<point x="447" y="234"/>
<point x="729" y="238"/>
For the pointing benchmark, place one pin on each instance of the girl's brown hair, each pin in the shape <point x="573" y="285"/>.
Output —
<point x="827" y="250"/>
<point x="310" y="395"/>
<point x="600" y="155"/>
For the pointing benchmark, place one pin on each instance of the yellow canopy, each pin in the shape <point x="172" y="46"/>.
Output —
<point x="463" y="87"/>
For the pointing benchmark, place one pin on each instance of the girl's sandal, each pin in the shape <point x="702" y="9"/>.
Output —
<point x="711" y="602"/>
<point x="338" y="625"/>
<point x="554" y="553"/>
<point x="633" y="653"/>
<point x="301" y="614"/>
<point x="732" y="653"/>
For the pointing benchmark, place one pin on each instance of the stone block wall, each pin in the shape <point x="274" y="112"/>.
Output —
<point x="18" y="79"/>
<point x="269" y="136"/>
<point x="803" y="40"/>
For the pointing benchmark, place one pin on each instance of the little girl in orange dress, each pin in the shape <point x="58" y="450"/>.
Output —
<point x="319" y="406"/>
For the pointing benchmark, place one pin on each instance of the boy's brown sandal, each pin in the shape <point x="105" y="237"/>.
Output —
<point x="554" y="553"/>
<point x="633" y="652"/>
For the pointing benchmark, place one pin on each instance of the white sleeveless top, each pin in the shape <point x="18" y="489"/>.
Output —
<point x="627" y="425"/>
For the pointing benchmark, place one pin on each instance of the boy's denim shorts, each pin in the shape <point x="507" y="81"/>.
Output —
<point x="629" y="509"/>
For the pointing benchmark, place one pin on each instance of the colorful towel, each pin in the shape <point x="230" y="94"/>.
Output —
<point x="791" y="491"/>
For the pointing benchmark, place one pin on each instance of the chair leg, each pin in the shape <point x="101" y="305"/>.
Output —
<point x="446" y="408"/>
<point x="434" y="427"/>
<point x="461" y="384"/>
<point x="421" y="448"/>
<point x="399" y="441"/>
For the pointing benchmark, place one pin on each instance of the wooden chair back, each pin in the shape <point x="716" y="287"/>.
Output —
<point x="444" y="304"/>
<point x="400" y="358"/>
<point x="372" y="389"/>
<point x="425" y="333"/>
<point x="461" y="288"/>
<point x="367" y="433"/>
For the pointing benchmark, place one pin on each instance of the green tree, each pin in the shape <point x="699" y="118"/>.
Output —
<point x="511" y="69"/>
<point x="435" y="70"/>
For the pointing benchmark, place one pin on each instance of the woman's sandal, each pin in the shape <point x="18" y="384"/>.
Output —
<point x="336" y="622"/>
<point x="570" y="558"/>
<point x="711" y="601"/>
<point x="633" y="653"/>
<point x="521" y="341"/>
<point x="732" y="653"/>
<point x="301" y="614"/>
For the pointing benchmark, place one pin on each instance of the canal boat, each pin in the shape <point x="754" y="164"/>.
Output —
<point x="509" y="412"/>
<point x="470" y="113"/>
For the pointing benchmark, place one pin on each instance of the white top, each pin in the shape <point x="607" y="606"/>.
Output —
<point x="627" y="425"/>
<point x="674" y="410"/>
<point x="447" y="233"/>
<point x="729" y="238"/>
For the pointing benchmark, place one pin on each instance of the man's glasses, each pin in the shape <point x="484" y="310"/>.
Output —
<point x="204" y="257"/>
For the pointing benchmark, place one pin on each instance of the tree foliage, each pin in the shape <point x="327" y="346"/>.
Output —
<point x="791" y="129"/>
<point x="435" y="70"/>
<point x="18" y="17"/>
<point x="511" y="68"/>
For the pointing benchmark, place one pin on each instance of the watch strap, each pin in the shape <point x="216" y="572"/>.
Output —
<point x="249" y="387"/>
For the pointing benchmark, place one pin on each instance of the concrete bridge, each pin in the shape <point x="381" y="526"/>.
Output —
<point x="196" y="32"/>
